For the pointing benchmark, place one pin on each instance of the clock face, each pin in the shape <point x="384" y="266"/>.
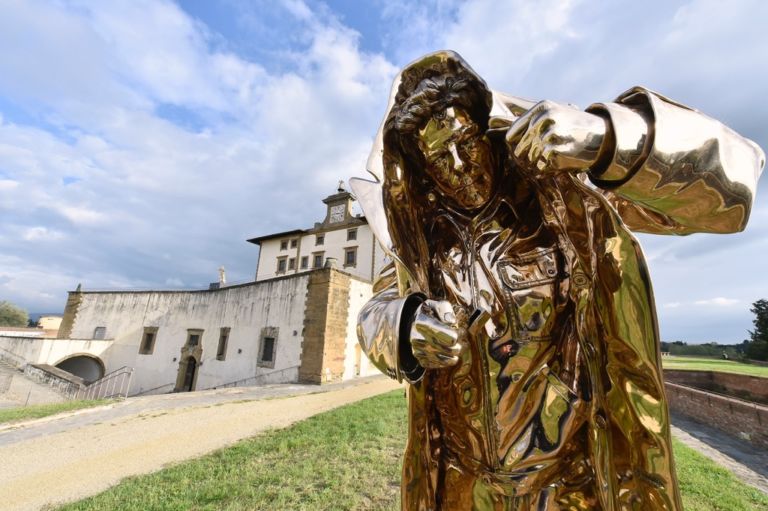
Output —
<point x="337" y="213"/>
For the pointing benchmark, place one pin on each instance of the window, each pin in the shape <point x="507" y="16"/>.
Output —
<point x="320" y="239"/>
<point x="194" y="337"/>
<point x="292" y="263"/>
<point x="221" y="351"/>
<point x="268" y="347"/>
<point x="281" y="262"/>
<point x="148" y="340"/>
<point x="351" y="234"/>
<point x="294" y="243"/>
<point x="284" y="245"/>
<point x="317" y="260"/>
<point x="99" y="332"/>
<point x="304" y="262"/>
<point x="350" y="256"/>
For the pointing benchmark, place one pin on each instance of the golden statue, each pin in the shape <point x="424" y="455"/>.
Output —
<point x="518" y="304"/>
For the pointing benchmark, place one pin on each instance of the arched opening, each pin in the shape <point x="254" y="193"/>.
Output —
<point x="189" y="375"/>
<point x="86" y="367"/>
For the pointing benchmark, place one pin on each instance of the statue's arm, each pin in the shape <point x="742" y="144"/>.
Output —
<point x="383" y="328"/>
<point x="674" y="170"/>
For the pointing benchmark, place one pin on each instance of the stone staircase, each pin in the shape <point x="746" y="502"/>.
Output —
<point x="16" y="389"/>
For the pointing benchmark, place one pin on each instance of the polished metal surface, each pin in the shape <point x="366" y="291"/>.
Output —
<point x="518" y="304"/>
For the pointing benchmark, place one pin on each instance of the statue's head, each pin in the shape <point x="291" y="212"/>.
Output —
<point x="437" y="127"/>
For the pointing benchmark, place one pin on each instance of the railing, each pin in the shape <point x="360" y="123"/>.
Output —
<point x="162" y="389"/>
<point x="112" y="385"/>
<point x="253" y="380"/>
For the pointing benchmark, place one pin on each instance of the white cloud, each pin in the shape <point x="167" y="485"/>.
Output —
<point x="82" y="215"/>
<point x="41" y="233"/>
<point x="240" y="145"/>
<point x="8" y="184"/>
<point x="174" y="282"/>
<point x="183" y="142"/>
<point x="720" y="301"/>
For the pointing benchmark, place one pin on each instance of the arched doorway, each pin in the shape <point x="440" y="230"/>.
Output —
<point x="87" y="367"/>
<point x="189" y="375"/>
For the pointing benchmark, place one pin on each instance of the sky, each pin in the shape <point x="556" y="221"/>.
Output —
<point x="143" y="141"/>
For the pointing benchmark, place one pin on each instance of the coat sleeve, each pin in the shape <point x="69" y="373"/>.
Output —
<point x="674" y="170"/>
<point x="383" y="328"/>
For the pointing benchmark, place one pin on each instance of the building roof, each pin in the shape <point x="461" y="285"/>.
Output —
<point x="266" y="237"/>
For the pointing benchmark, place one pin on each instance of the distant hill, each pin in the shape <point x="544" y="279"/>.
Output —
<point x="34" y="316"/>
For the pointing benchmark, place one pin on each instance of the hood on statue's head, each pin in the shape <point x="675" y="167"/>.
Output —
<point x="504" y="110"/>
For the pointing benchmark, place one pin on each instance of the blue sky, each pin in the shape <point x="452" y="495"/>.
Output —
<point x="142" y="141"/>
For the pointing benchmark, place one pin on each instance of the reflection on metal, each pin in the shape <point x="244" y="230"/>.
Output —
<point x="518" y="304"/>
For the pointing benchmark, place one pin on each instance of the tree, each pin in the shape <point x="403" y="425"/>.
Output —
<point x="11" y="315"/>
<point x="757" y="346"/>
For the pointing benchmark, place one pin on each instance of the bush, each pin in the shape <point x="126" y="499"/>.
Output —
<point x="11" y="315"/>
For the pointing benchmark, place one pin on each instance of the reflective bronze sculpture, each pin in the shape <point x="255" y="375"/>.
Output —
<point x="518" y="305"/>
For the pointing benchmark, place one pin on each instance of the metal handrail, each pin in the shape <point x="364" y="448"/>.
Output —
<point x="253" y="379"/>
<point x="144" y="392"/>
<point x="115" y="384"/>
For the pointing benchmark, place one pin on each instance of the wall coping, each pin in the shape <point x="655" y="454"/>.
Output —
<point x="254" y="283"/>
<point x="723" y="397"/>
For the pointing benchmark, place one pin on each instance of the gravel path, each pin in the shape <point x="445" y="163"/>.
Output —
<point x="55" y="461"/>
<point x="61" y="459"/>
<point x="748" y="463"/>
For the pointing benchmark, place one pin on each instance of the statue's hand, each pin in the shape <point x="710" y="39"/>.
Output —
<point x="435" y="336"/>
<point x="551" y="137"/>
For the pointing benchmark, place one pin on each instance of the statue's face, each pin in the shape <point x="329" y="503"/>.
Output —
<point x="458" y="156"/>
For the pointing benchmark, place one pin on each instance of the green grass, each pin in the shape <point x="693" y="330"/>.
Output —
<point x="348" y="458"/>
<point x="37" y="411"/>
<point x="706" y="486"/>
<point x="713" y="364"/>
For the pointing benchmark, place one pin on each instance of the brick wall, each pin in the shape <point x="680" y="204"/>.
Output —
<point x="751" y="388"/>
<point x="741" y="419"/>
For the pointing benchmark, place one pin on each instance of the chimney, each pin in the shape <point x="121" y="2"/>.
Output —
<point x="222" y="276"/>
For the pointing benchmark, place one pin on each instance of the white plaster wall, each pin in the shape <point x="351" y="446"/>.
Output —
<point x="244" y="309"/>
<point x="359" y="293"/>
<point x="369" y="253"/>
<point x="36" y="350"/>
<point x="270" y="251"/>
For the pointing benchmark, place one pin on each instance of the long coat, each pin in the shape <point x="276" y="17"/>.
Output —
<point x="691" y="174"/>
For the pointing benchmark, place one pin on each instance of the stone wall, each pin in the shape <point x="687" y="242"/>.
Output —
<point x="741" y="419"/>
<point x="244" y="309"/>
<point x="38" y="350"/>
<point x="325" y="327"/>
<point x="58" y="380"/>
<point x="751" y="388"/>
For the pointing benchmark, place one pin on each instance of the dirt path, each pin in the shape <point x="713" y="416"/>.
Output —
<point x="747" y="462"/>
<point x="90" y="456"/>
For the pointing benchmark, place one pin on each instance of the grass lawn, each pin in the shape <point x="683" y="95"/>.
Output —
<point x="348" y="458"/>
<point x="37" y="411"/>
<point x="713" y="364"/>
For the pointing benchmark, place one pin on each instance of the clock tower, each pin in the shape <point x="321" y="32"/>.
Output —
<point x="339" y="207"/>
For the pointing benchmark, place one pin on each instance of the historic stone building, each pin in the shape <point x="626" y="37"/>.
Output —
<point x="295" y="323"/>
<point x="342" y="237"/>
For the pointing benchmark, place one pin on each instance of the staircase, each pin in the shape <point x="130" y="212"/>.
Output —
<point x="18" y="390"/>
